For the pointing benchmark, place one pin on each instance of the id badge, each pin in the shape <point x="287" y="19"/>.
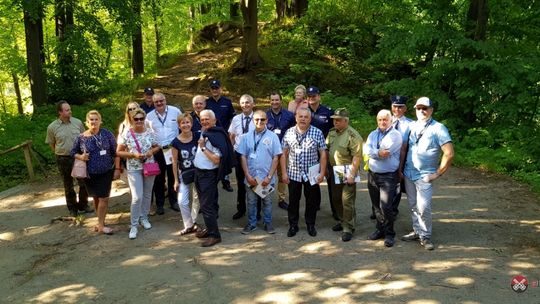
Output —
<point x="253" y="156"/>
<point x="167" y="153"/>
<point x="277" y="131"/>
<point x="103" y="152"/>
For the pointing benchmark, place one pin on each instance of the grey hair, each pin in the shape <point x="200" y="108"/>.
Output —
<point x="209" y="112"/>
<point x="384" y="112"/>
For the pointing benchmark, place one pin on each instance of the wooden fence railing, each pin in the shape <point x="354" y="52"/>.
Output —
<point x="27" y="149"/>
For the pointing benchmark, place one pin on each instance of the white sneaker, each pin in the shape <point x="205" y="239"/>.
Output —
<point x="146" y="224"/>
<point x="133" y="233"/>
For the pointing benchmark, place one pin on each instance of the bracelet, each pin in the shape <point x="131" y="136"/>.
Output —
<point x="117" y="169"/>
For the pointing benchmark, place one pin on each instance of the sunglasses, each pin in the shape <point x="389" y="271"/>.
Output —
<point x="421" y="108"/>
<point x="132" y="109"/>
<point x="138" y="118"/>
<point x="259" y="119"/>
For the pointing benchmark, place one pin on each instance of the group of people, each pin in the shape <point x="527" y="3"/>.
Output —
<point x="292" y="148"/>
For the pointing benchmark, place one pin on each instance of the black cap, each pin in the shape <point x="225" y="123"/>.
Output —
<point x="148" y="91"/>
<point x="399" y="100"/>
<point x="215" y="83"/>
<point x="312" y="91"/>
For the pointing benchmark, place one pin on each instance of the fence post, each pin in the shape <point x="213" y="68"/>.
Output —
<point x="28" y="157"/>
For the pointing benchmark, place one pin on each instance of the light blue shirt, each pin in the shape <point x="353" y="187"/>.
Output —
<point x="165" y="126"/>
<point x="377" y="140"/>
<point x="259" y="161"/>
<point x="402" y="125"/>
<point x="425" y="148"/>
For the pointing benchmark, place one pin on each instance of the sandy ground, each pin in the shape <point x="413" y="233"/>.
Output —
<point x="486" y="230"/>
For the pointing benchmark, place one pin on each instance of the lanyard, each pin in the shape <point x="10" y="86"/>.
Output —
<point x="379" y="138"/>
<point x="164" y="118"/>
<point x="245" y="127"/>
<point x="257" y="141"/>
<point x="98" y="140"/>
<point x="419" y="135"/>
<point x="300" y="137"/>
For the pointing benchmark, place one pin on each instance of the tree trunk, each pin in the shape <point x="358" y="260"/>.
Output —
<point x="300" y="7"/>
<point x="234" y="9"/>
<point x="137" y="64"/>
<point x="205" y="8"/>
<point x="191" y="29"/>
<point x="17" y="87"/>
<point x="249" y="57"/>
<point x="155" y="16"/>
<point x="280" y="9"/>
<point x="477" y="18"/>
<point x="63" y="27"/>
<point x="33" y="29"/>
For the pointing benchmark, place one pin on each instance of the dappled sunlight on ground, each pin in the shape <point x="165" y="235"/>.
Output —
<point x="325" y="247"/>
<point x="75" y="293"/>
<point x="459" y="281"/>
<point x="440" y="266"/>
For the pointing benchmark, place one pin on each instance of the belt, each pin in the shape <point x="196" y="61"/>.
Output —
<point x="206" y="170"/>
<point x="167" y="146"/>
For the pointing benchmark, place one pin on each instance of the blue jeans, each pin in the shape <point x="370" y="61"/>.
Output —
<point x="419" y="194"/>
<point x="252" y="199"/>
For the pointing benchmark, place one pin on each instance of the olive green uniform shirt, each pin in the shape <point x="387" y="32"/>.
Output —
<point x="343" y="146"/>
<point x="63" y="135"/>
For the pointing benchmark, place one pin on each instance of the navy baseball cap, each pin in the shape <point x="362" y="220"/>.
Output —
<point x="148" y="91"/>
<point x="399" y="100"/>
<point x="312" y="91"/>
<point x="215" y="83"/>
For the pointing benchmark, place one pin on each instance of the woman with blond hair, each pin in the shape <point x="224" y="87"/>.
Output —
<point x="184" y="149"/>
<point x="97" y="147"/>
<point x="138" y="145"/>
<point x="300" y="100"/>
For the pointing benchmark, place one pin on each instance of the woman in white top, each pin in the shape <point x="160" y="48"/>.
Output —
<point x="138" y="145"/>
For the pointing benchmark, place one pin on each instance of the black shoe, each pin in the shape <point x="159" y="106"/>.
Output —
<point x="160" y="211"/>
<point x="311" y="230"/>
<point x="292" y="231"/>
<point x="227" y="186"/>
<point x="377" y="235"/>
<point x="372" y="216"/>
<point x="336" y="218"/>
<point x="389" y="241"/>
<point x="238" y="215"/>
<point x="175" y="207"/>
<point x="87" y="209"/>
<point x="337" y="227"/>
<point x="283" y="205"/>
<point x="346" y="236"/>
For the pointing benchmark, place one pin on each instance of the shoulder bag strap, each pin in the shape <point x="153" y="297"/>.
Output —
<point x="136" y="141"/>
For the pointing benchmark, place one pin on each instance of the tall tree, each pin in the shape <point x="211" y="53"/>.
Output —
<point x="64" y="23"/>
<point x="137" y="64"/>
<point x="234" y="9"/>
<point x="477" y="19"/>
<point x="249" y="56"/>
<point x="156" y="13"/>
<point x="35" y="59"/>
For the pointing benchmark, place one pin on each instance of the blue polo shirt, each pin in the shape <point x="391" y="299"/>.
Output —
<point x="281" y="122"/>
<point x="223" y="109"/>
<point x="424" y="150"/>
<point x="321" y="119"/>
<point x="259" y="150"/>
<point x="146" y="108"/>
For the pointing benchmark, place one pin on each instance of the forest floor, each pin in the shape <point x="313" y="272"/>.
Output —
<point x="486" y="231"/>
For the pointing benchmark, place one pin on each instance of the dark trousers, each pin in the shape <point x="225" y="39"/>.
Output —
<point x="241" y="194"/>
<point x="382" y="190"/>
<point x="159" y="182"/>
<point x="65" y="164"/>
<point x="312" y="195"/>
<point x="400" y="188"/>
<point x="206" y="184"/>
<point x="331" y="186"/>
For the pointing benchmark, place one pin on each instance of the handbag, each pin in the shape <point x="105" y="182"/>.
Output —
<point x="188" y="176"/>
<point x="79" y="167"/>
<point x="149" y="169"/>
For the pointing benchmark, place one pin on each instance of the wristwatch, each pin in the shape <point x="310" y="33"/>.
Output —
<point x="203" y="149"/>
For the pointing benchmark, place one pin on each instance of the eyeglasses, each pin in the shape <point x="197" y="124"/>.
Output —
<point x="138" y="118"/>
<point x="132" y="109"/>
<point x="421" y="108"/>
<point x="259" y="119"/>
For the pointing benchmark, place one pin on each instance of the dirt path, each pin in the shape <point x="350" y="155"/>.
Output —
<point x="486" y="230"/>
